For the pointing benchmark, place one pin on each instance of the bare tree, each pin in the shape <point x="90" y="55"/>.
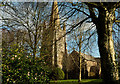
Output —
<point x="26" y="18"/>
<point x="103" y="16"/>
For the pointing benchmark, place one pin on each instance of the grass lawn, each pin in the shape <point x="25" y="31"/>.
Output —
<point x="75" y="81"/>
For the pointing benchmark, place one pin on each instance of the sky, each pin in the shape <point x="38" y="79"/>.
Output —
<point x="94" y="51"/>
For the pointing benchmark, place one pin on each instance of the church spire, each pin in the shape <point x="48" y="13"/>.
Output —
<point x="54" y="20"/>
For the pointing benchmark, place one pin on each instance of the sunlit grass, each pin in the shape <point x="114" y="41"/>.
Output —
<point x="75" y="81"/>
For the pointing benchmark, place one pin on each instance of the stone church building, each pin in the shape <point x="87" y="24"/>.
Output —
<point x="91" y="67"/>
<point x="54" y="42"/>
<point x="54" y="50"/>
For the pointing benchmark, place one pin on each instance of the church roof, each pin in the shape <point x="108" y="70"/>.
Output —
<point x="86" y="57"/>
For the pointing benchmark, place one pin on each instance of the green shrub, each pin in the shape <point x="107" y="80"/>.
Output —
<point x="57" y="74"/>
<point x="18" y="67"/>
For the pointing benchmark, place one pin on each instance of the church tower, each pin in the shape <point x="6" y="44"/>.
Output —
<point x="54" y="42"/>
<point x="58" y="47"/>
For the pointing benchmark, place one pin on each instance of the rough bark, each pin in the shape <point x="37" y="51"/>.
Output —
<point x="106" y="44"/>
<point x="104" y="23"/>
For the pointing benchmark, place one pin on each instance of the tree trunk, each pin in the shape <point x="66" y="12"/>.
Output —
<point x="80" y="58"/>
<point x="34" y="54"/>
<point x="106" y="45"/>
<point x="33" y="66"/>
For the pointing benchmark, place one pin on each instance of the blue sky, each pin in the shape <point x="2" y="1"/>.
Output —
<point x="90" y="49"/>
<point x="94" y="51"/>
